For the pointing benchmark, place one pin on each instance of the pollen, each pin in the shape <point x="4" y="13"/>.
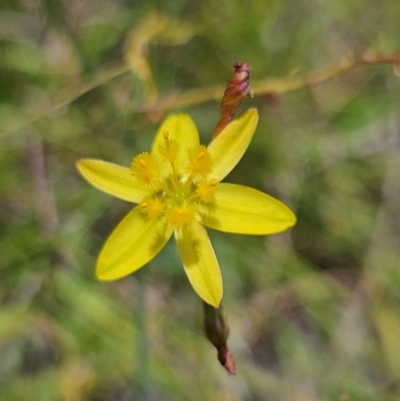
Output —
<point x="200" y="162"/>
<point x="181" y="215"/>
<point x="147" y="170"/>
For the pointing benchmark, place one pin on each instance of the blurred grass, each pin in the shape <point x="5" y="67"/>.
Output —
<point x="314" y="312"/>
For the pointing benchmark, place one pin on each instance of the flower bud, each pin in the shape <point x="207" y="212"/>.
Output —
<point x="217" y="331"/>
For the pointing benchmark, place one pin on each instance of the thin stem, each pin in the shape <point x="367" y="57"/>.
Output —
<point x="42" y="193"/>
<point x="142" y="378"/>
<point x="65" y="96"/>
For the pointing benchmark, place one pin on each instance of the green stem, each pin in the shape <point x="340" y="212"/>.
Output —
<point x="142" y="378"/>
<point x="215" y="324"/>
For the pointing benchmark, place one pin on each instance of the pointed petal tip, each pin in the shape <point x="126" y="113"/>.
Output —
<point x="243" y="210"/>
<point x="215" y="303"/>
<point x="211" y="297"/>
<point x="178" y="118"/>
<point x="251" y="113"/>
<point x="232" y="142"/>
<point x="253" y="110"/>
<point x="79" y="163"/>
<point x="104" y="276"/>
<point x="183" y="115"/>
<point x="292" y="220"/>
<point x="84" y="163"/>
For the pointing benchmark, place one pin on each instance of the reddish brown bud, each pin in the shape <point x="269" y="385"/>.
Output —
<point x="226" y="359"/>
<point x="238" y="88"/>
<point x="217" y="331"/>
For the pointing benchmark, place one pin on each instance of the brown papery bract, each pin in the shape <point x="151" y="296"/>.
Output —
<point x="238" y="88"/>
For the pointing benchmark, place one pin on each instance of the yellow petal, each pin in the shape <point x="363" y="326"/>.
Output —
<point x="133" y="243"/>
<point x="243" y="210"/>
<point x="111" y="178"/>
<point x="229" y="146"/>
<point x="200" y="263"/>
<point x="183" y="130"/>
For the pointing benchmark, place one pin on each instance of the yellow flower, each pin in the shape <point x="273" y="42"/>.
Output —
<point x="178" y="191"/>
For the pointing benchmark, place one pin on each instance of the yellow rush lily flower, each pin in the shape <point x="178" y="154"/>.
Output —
<point x="178" y="191"/>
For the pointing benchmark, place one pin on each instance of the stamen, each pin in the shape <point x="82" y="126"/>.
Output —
<point x="180" y="216"/>
<point x="168" y="149"/>
<point x="147" y="170"/>
<point x="152" y="207"/>
<point x="206" y="190"/>
<point x="200" y="162"/>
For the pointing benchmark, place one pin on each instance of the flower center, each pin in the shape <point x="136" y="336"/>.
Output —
<point x="173" y="190"/>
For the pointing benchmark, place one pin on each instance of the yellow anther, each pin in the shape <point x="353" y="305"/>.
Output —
<point x="146" y="169"/>
<point x="200" y="162"/>
<point x="168" y="149"/>
<point x="152" y="207"/>
<point x="206" y="190"/>
<point x="181" y="215"/>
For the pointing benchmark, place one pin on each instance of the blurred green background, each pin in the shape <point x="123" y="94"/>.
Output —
<point x="314" y="312"/>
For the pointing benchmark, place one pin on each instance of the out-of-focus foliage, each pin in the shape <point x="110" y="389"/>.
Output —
<point x="314" y="313"/>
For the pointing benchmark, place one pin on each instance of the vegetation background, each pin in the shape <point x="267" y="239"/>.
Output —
<point x="314" y="312"/>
